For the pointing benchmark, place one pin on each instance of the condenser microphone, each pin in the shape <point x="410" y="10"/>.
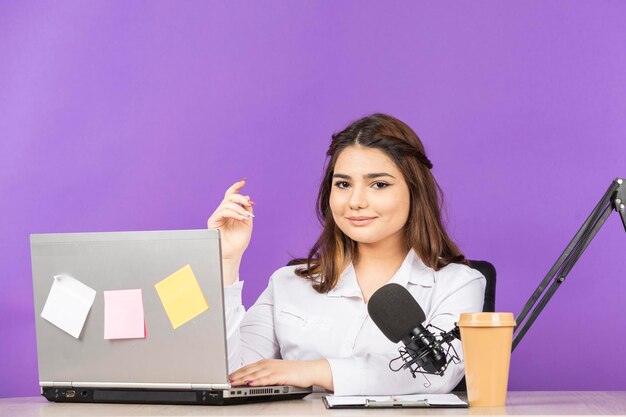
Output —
<point x="396" y="313"/>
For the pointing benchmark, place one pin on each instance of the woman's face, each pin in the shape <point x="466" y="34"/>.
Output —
<point x="369" y="198"/>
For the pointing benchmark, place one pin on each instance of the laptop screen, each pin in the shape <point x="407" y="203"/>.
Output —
<point x="93" y="290"/>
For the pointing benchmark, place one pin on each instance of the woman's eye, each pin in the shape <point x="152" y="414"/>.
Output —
<point x="380" y="185"/>
<point x="341" y="184"/>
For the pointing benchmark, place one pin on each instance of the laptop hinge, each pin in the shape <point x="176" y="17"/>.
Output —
<point x="140" y="385"/>
<point x="210" y="386"/>
<point x="54" y="384"/>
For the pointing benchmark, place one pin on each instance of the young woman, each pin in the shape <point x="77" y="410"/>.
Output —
<point x="379" y="205"/>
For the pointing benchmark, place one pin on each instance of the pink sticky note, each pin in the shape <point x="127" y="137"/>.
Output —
<point x="123" y="315"/>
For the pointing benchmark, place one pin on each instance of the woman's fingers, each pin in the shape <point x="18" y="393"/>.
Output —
<point x="234" y="189"/>
<point x="219" y="218"/>
<point x="244" y="200"/>
<point x="246" y="370"/>
<point x="263" y="377"/>
<point x="224" y="213"/>
<point x="237" y="208"/>
<point x="232" y="196"/>
<point x="250" y="374"/>
<point x="254" y="377"/>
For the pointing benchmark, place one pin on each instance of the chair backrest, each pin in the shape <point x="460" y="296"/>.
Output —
<point x="489" y="305"/>
<point x="489" y="272"/>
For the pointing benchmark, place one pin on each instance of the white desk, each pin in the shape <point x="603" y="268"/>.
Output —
<point x="519" y="403"/>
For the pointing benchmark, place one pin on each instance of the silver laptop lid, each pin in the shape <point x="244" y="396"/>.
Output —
<point x="191" y="356"/>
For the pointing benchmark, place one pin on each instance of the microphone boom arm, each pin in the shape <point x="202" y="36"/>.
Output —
<point x="613" y="199"/>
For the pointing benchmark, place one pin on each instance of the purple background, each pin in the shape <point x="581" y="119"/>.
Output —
<point x="120" y="115"/>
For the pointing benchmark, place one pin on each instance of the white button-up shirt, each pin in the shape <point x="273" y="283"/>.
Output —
<point x="292" y="321"/>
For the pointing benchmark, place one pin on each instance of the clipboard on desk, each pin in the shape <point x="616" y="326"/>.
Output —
<point x="395" y="401"/>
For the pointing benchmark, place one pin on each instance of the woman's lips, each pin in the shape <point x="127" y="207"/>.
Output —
<point x="360" y="221"/>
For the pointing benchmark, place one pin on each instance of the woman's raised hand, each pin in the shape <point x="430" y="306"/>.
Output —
<point x="233" y="218"/>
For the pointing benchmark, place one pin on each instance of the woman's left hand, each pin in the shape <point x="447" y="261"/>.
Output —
<point x="281" y="372"/>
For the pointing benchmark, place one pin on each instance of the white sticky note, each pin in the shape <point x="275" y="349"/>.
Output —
<point x="68" y="304"/>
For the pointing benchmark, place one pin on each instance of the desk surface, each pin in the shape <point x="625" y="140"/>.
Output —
<point x="519" y="403"/>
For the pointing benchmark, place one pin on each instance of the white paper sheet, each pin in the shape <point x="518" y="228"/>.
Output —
<point x="68" y="304"/>
<point x="439" y="400"/>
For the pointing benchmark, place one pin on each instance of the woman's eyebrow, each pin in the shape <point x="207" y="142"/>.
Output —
<point x="366" y="176"/>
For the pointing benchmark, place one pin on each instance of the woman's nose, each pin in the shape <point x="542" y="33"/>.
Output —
<point x="357" y="199"/>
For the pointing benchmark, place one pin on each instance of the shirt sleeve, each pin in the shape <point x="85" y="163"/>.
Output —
<point x="250" y="335"/>
<point x="370" y="374"/>
<point x="234" y="312"/>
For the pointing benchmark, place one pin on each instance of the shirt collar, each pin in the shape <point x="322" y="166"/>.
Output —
<point x="421" y="274"/>
<point x="412" y="270"/>
<point x="347" y="285"/>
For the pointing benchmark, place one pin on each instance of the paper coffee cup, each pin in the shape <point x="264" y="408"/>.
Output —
<point x="486" y="340"/>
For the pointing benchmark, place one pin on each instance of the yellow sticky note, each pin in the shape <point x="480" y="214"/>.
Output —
<point x="181" y="296"/>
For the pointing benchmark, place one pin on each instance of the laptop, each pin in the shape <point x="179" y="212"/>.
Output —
<point x="91" y="293"/>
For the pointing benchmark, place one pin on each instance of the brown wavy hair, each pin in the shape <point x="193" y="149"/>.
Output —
<point x="424" y="230"/>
